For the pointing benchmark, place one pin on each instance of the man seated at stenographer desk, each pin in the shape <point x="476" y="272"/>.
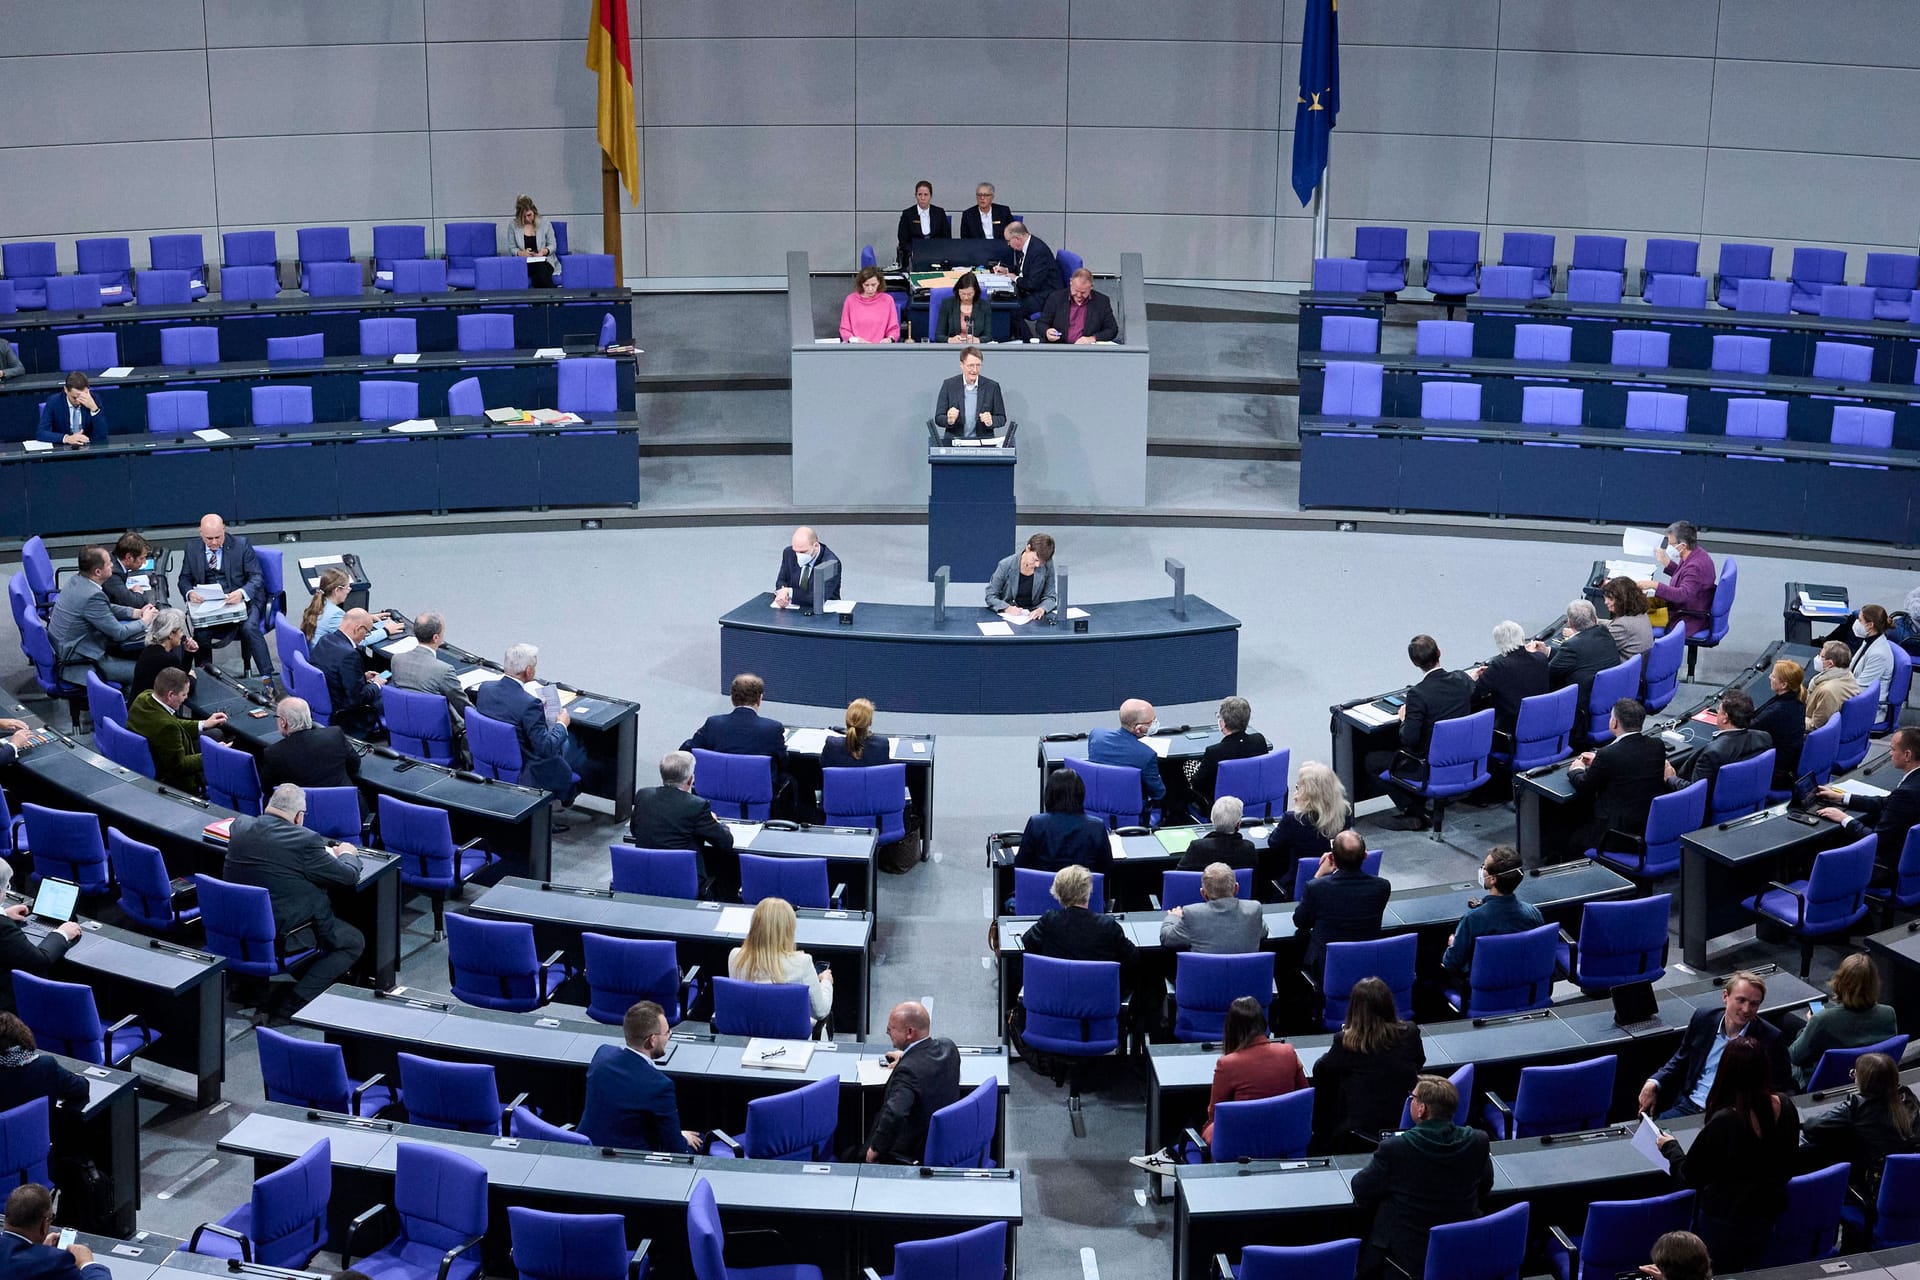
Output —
<point x="803" y="555"/>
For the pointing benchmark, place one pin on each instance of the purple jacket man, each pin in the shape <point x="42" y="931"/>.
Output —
<point x="1689" y="595"/>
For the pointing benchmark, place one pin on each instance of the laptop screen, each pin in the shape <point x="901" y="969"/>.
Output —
<point x="56" y="901"/>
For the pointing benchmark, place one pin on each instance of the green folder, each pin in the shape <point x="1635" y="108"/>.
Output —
<point x="1176" y="839"/>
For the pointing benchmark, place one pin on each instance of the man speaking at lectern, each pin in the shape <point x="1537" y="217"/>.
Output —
<point x="969" y="404"/>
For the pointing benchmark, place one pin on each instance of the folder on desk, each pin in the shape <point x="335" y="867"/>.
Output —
<point x="1176" y="839"/>
<point x="780" y="1055"/>
<point x="1823" y="606"/>
<point x="1117" y="845"/>
<point x="1371" y="715"/>
<point x="807" y="742"/>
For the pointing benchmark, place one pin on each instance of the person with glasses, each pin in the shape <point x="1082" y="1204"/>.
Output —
<point x="986" y="220"/>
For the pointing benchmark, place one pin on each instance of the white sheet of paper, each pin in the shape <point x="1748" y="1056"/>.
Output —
<point x="407" y="357"/>
<point x="1371" y="714"/>
<point x="874" y="1071"/>
<point x="211" y="433"/>
<point x="808" y="742"/>
<point x="1075" y="611"/>
<point x="549" y="353"/>
<point x="471" y="680"/>
<point x="1638" y="570"/>
<point x="1646" y="1140"/>
<point x="733" y="920"/>
<point x="744" y="832"/>
<point x="405" y="644"/>
<point x="413" y="426"/>
<point x="319" y="562"/>
<point x="1851" y="787"/>
<point x="1012" y="620"/>
<point x="995" y="629"/>
<point x="1640" y="544"/>
<point x="841" y="606"/>
<point x="383" y="275"/>
<point x="826" y="342"/>
<point x="1115" y="843"/>
<point x="118" y="371"/>
<point x="1834" y="608"/>
<point x="1158" y="743"/>
<point x="35" y="446"/>
<point x="964" y="442"/>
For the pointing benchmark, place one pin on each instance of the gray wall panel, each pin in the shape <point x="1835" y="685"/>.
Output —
<point x="1791" y="195"/>
<point x="739" y="82"/>
<point x="1681" y="27"/>
<point x="1880" y="33"/>
<point x="128" y="97"/>
<point x="1008" y="82"/>
<point x="670" y="19"/>
<point x="1470" y="24"/>
<point x="559" y="168"/>
<point x="1027" y="166"/>
<point x="1194" y="20"/>
<point x="99" y="26"/>
<point x="737" y="244"/>
<point x="1764" y="105"/>
<point x="374" y="177"/>
<point x="41" y="198"/>
<point x="1192" y="171"/>
<point x="1171" y="245"/>
<point x="527" y="84"/>
<point x="235" y="23"/>
<point x="1387" y="177"/>
<point x="943" y="20"/>
<point x="806" y="167"/>
<point x="1566" y="184"/>
<point x="1597" y="97"/>
<point x="507" y="20"/>
<point x="1178" y="84"/>
<point x="1414" y="90"/>
<point x="328" y="89"/>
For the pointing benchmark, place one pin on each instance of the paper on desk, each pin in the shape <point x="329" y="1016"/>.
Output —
<point x="405" y="644"/>
<point x="744" y="832"/>
<point x="1639" y="571"/>
<point x="841" y="606"/>
<point x="1834" y="608"/>
<point x="964" y="442"/>
<point x="808" y="742"/>
<point x="383" y="275"/>
<point x="413" y="426"/>
<point x="1640" y="544"/>
<point x="826" y="342"/>
<point x="1646" y="1140"/>
<point x="211" y="433"/>
<point x="1158" y="744"/>
<point x="1371" y="714"/>
<point x="118" y="371"/>
<point x="549" y="353"/>
<point x="1075" y="611"/>
<point x="874" y="1071"/>
<point x="471" y="680"/>
<point x="319" y="562"/>
<point x="1115" y="843"/>
<point x="35" y="446"/>
<point x="733" y="920"/>
<point x="897" y="745"/>
<point x="407" y="357"/>
<point x="996" y="629"/>
<point x="1849" y="786"/>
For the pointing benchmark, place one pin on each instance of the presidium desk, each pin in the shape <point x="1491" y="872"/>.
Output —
<point x="899" y="656"/>
<point x="859" y="411"/>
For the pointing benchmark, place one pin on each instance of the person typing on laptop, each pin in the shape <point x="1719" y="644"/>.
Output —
<point x="18" y="950"/>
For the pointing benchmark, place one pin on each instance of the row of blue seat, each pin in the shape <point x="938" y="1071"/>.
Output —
<point x="1597" y="273"/>
<point x="188" y="345"/>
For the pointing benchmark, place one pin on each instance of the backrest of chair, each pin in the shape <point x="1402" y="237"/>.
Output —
<point x="248" y="284"/>
<point x="1517" y="283"/>
<point x="1746" y="261"/>
<point x="497" y="273"/>
<point x="1619" y="1234"/>
<point x="1847" y="302"/>
<point x="146" y="894"/>
<point x="85" y="351"/>
<point x="1531" y="249"/>
<point x="464" y="399"/>
<point x="485" y="331"/>
<point x="1352" y="388"/>
<point x="960" y="1134"/>
<point x="1813" y="265"/>
<point x="1033" y="892"/>
<point x="1339" y="275"/>
<point x="1488" y="1248"/>
<point x="303" y="1073"/>
<point x="1334" y="1260"/>
<point x="495" y="745"/>
<point x="1809" y="1228"/>
<point x="238" y="919"/>
<point x="422" y="836"/>
<point x="467" y="241"/>
<point x="420" y="275"/>
<point x="1182" y="888"/>
<point x="331" y="279"/>
<point x="395" y="241"/>
<point x="1837" y="888"/>
<point x="1675" y="257"/>
<point x="1453" y="248"/>
<point x="1450" y="400"/>
<point x="1543" y="342"/>
<point x="705" y="1240"/>
<point x="1897" y="274"/>
<point x="462" y="1096"/>
<point x="25" y="1143"/>
<point x="61" y="1015"/>
<point x="323" y="244"/>
<point x="1204" y="985"/>
<point x="661" y="873"/>
<point x="568" y="1246"/>
<point x="801" y="881"/>
<point x="25" y="260"/>
<point x="38" y="566"/>
<point x="1897" y="1220"/>
<point x="1552" y="406"/>
<point x="1819" y="750"/>
<point x="1543" y="731"/>
<point x="1381" y="247"/>
<point x="1689" y="292"/>
<point x="440" y="1194"/>
<point x="1742" y="353"/>
<point x="736" y="786"/>
<point x="1623" y="942"/>
<point x="176" y="412"/>
<point x="334" y="812"/>
<point x="1740" y="788"/>
<point x="385" y="398"/>
<point x="1600" y="253"/>
<point x="1835" y="1068"/>
<point x="588" y="271"/>
<point x="1656" y="411"/>
<point x="1113" y="791"/>
<point x="1859" y="425"/>
<point x="307" y="683"/>
<point x="290" y="1208"/>
<point x="298" y="346"/>
<point x="233" y="781"/>
<point x="588" y="384"/>
<point x="1258" y="782"/>
<point x="111" y="259"/>
<point x="1725" y="587"/>
<point x="621" y="971"/>
<point x="1640" y="348"/>
<point x="1350" y="333"/>
<point x="1669" y="817"/>
<point x="104" y="701"/>
<point x="979" y="1254"/>
<point x="1762" y="297"/>
<point x="1389" y="959"/>
<point x="249" y="248"/>
<point x="778" y="1010"/>
<point x="1457" y="752"/>
<point x="492" y="962"/>
<point x="1443" y="338"/>
<point x="1564" y="1099"/>
<point x="1856" y="723"/>
<point x="874" y="796"/>
<point x="1306" y="868"/>
<point x="418" y="724"/>
<point x="73" y="293"/>
<point x="66" y="844"/>
<point x="797" y="1124"/>
<point x="124" y="747"/>
<point x="1513" y="972"/>
<point x="191" y="344"/>
<point x="1755" y="418"/>
<point x="1073" y="1006"/>
<point x="1276" y="1128"/>
<point x="388" y="336"/>
<point x="1622" y="680"/>
<point x="1602" y="288"/>
<point x="181" y="252"/>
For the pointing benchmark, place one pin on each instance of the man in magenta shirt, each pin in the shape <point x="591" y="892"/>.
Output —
<point x="1689" y="596"/>
<point x="1079" y="314"/>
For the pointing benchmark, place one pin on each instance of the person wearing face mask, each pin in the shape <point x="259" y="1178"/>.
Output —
<point x="1688" y="596"/>
<point x="1499" y="912"/>
<point x="1237" y="742"/>
<point x="1125" y="747"/>
<point x="1874" y="660"/>
<point x="630" y="1102"/>
<point x="803" y="555"/>
<point x="1832" y="683"/>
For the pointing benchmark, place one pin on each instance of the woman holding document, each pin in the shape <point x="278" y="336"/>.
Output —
<point x="966" y="315"/>
<point x="529" y="237"/>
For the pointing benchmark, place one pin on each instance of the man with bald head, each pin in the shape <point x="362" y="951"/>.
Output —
<point x="923" y="1076"/>
<point x="798" y="563"/>
<point x="217" y="565"/>
<point x="354" y="690"/>
<point x="1126" y="746"/>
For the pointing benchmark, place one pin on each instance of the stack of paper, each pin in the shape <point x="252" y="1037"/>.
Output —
<point x="407" y="357"/>
<point x="1822" y="607"/>
<point x="1371" y="714"/>
<point x="413" y="426"/>
<point x="549" y="353"/>
<point x="1640" y="544"/>
<point x="807" y="742"/>
<point x="1637" y="570"/>
<point x="118" y="371"/>
<point x="211" y="433"/>
<point x="504" y="415"/>
<point x="1852" y="787"/>
<point x="35" y="446"/>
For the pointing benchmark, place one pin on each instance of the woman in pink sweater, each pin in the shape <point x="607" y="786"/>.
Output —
<point x="869" y="315"/>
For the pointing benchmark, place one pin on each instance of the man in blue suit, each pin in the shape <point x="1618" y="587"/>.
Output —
<point x="1123" y="746"/>
<point x="351" y="687"/>
<point x="71" y="416"/>
<point x="630" y="1101"/>
<point x="1036" y="275"/>
<point x="743" y="731"/>
<point x="219" y="563"/>
<point x="549" y="756"/>
<point x="26" y="1248"/>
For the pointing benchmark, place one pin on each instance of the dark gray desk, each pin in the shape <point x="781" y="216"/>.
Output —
<point x="316" y="470"/>
<point x="898" y="656"/>
<point x="1897" y="952"/>
<point x="605" y="726"/>
<point x="541" y="318"/>
<point x="106" y="1131"/>
<point x="914" y="750"/>
<point x="849" y="851"/>
<point x="823" y="1210"/>
<point x="1184" y="742"/>
<point x="560" y="913"/>
<point x="546" y="1054"/>
<point x="1799" y="622"/>
<point x="1140" y="863"/>
<point x="134" y="1255"/>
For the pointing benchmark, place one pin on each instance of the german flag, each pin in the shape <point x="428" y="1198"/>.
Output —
<point x="611" y="57"/>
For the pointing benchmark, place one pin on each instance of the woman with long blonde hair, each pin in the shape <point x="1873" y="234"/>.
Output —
<point x="768" y="955"/>
<point x="328" y="605"/>
<point x="1317" y="811"/>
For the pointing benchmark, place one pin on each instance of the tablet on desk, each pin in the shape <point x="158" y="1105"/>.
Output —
<point x="56" y="900"/>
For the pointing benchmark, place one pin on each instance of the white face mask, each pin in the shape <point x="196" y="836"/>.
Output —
<point x="1860" y="628"/>
<point x="1151" y="726"/>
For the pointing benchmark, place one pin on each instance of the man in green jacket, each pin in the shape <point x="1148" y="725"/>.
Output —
<point x="175" y="742"/>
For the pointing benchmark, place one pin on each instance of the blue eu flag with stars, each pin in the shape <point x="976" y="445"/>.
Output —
<point x="1319" y="95"/>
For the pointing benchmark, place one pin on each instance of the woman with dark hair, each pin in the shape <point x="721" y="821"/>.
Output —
<point x="1627" y="616"/>
<point x="966" y="316"/>
<point x="868" y="315"/>
<point x="1064" y="835"/>
<point x="1251" y="1066"/>
<point x="1881" y="1119"/>
<point x="1785" y="719"/>
<point x="857" y="747"/>
<point x="1873" y="659"/>
<point x="1741" y="1159"/>
<point x="1362" y="1080"/>
<point x="26" y="1073"/>
<point x="921" y="220"/>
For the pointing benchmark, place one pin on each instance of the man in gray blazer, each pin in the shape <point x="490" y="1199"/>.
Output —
<point x="421" y="670"/>
<point x="88" y="630"/>
<point x="1220" y="924"/>
<point x="1022" y="584"/>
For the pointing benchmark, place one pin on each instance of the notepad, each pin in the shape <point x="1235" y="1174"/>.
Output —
<point x="504" y="415"/>
<point x="549" y="353"/>
<point x="118" y="371"/>
<point x="407" y="357"/>
<point x="744" y="833"/>
<point x="780" y="1055"/>
<point x="413" y="426"/>
<point x="996" y="629"/>
<point x="733" y="920"/>
<point x="1176" y="839"/>
<point x="35" y="446"/>
<point x="1116" y="844"/>
<point x="807" y="742"/>
<point x="1851" y="787"/>
<point x="211" y="433"/>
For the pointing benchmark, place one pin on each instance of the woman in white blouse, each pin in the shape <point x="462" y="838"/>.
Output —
<point x="768" y="955"/>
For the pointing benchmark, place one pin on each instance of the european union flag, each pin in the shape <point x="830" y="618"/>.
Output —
<point x="1319" y="95"/>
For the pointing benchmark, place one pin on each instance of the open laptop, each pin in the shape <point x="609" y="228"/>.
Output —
<point x="56" y="901"/>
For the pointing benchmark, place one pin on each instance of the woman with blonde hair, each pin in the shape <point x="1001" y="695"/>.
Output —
<point x="1854" y="1018"/>
<point x="529" y="236"/>
<point x="327" y="607"/>
<point x="168" y="645"/>
<point x="1784" y="719"/>
<point x="768" y="955"/>
<point x="857" y="748"/>
<point x="1317" y="811"/>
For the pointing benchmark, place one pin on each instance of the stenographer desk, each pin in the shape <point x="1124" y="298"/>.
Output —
<point x="546" y="1054"/>
<point x="541" y="318"/>
<point x="606" y="727"/>
<point x="1180" y="1076"/>
<point x="1798" y="486"/>
<point x="897" y="655"/>
<point x="514" y="822"/>
<point x="703" y="931"/>
<point x="859" y="409"/>
<point x="914" y="750"/>
<point x="836" y="1216"/>
<point x="316" y="470"/>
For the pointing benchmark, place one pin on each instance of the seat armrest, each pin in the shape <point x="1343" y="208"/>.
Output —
<point x="1568" y="938"/>
<point x="462" y="848"/>
<point x="1363" y="1135"/>
<point x="728" y="1141"/>
<point x="1398" y="1270"/>
<point x="506" y="1112"/>
<point x="637" y="1265"/>
<point x="246" y="1245"/>
<point x="353" y="1231"/>
<point x="837" y="899"/>
<point x="1572" y="1250"/>
<point x="1222" y="1267"/>
<point x="689" y="984"/>
<point x="869" y="1273"/>
<point x="354" y="1098"/>
<point x="1799" y="898"/>
<point x="1198" y="1143"/>
<point x="452" y="1255"/>
<point x="1505" y="1121"/>
<point x="546" y="972"/>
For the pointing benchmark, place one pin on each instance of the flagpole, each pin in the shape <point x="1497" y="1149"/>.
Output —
<point x="610" y="217"/>
<point x="1320" y="209"/>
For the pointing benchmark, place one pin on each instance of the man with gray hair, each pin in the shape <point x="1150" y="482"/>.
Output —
<point x="987" y="218"/>
<point x="670" y="816"/>
<point x="1224" y="843"/>
<point x="1515" y="674"/>
<point x="308" y="755"/>
<point x="1036" y="275"/>
<point x="1237" y="742"/>
<point x="351" y="686"/>
<point x="1220" y="923"/>
<point x="296" y="867"/>
<point x="1583" y="651"/>
<point x="422" y="670"/>
<point x="550" y="758"/>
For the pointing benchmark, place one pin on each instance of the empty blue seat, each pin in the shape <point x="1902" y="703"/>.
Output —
<point x="1756" y="419"/>
<point x="1562" y="1099"/>
<point x="464" y="399"/>
<point x="1349" y="333"/>
<point x="573" y="1246"/>
<point x="1453" y="262"/>
<point x="801" y="881"/>
<point x="492" y="964"/>
<point x="1847" y="302"/>
<point x="386" y="400"/>
<point x="1639" y="349"/>
<point x="87" y="351"/>
<point x="1259" y="783"/>
<point x="313" y="1074"/>
<point x="127" y="749"/>
<point x="1352" y="389"/>
<point x="461" y="1096"/>
<point x="1545" y="342"/>
<point x="146" y="892"/>
<point x="418" y="275"/>
<point x="1510" y="973"/>
<point x="660" y="873"/>
<point x="589" y="385"/>
<point x="176" y="412"/>
<point x="1843" y="361"/>
<point x="1740" y="263"/>
<point x="73" y="293"/>
<point x="1073" y="1012"/>
<point x="299" y="346"/>
<point x="109" y="259"/>
<point x="1600" y="253"/>
<point x="498" y="273"/>
<point x="1740" y="788"/>
<point x="233" y="782"/>
<point x="421" y="836"/>
<point x="587" y="271"/>
<point x="1679" y="292"/>
<point x="1334" y="1260"/>
<point x="249" y="284"/>
<point x="418" y="724"/>
<point x="485" y="331"/>
<point x="1450" y="401"/>
<point x="1384" y="250"/>
<point x="1599" y="288"/>
<point x="199" y="344"/>
<point x="960" y="1134"/>
<point x="440" y="1199"/>
<point x="275" y="406"/>
<point x="466" y="242"/>
<point x="393" y="243"/>
<point x="283" y="1223"/>
<point x="65" y="1020"/>
<point x="1618" y="1237"/>
<point x="775" y="1010"/>
<point x="797" y="1124"/>
<point x="736" y="786"/>
<point x="1532" y="250"/>
<point x="1443" y="339"/>
<point x="1813" y="270"/>
<point x="1620" y="943"/>
<point x="1828" y="903"/>
<point x="1669" y="258"/>
<point x="332" y="279"/>
<point x="388" y="336"/>
<point x="249" y="249"/>
<point x="184" y="252"/>
<point x="1552" y="406"/>
<point x="1389" y="959"/>
<point x="1339" y="275"/>
<point x="330" y="245"/>
<point x="1765" y="297"/>
<point x="1656" y="411"/>
<point x="28" y="265"/>
<point x="622" y="971"/>
<point x="1542" y="731"/>
<point x="1506" y="282"/>
<point x="1205" y="985"/>
<point x="1742" y="353"/>
<point x="1859" y="425"/>
<point x="1892" y="276"/>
